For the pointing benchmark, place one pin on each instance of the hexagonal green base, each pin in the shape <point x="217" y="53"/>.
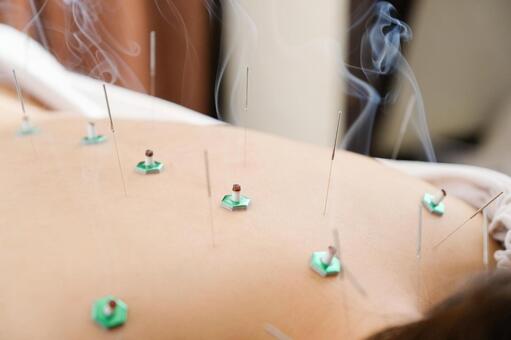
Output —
<point x="427" y="202"/>
<point x="27" y="132"/>
<point x="333" y="269"/>
<point x="243" y="204"/>
<point x="117" y="319"/>
<point x="156" y="168"/>
<point x="96" y="140"/>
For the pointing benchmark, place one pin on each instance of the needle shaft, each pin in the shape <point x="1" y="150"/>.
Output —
<point x="246" y="88"/>
<point x="19" y="93"/>
<point x="23" y="110"/>
<point x="419" y="233"/>
<point x="152" y="62"/>
<point x="208" y="181"/>
<point x="485" y="242"/>
<point x="467" y="220"/>
<point x="332" y="162"/>
<point x="245" y="119"/>
<point x="115" y="141"/>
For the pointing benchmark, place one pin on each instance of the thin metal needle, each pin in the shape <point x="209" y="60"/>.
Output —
<point x="152" y="62"/>
<point x="419" y="233"/>
<point x="112" y="128"/>
<point x="337" y="245"/>
<point x="332" y="161"/>
<point x="485" y="242"/>
<point x="355" y="282"/>
<point x="345" y="269"/>
<point x="20" y="94"/>
<point x="468" y="219"/>
<point x="418" y="254"/>
<point x="245" y="119"/>
<point x="206" y="164"/>
<point x="246" y="89"/>
<point x="23" y="110"/>
<point x="404" y="127"/>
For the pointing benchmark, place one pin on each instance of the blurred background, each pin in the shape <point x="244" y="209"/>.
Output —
<point x="422" y="79"/>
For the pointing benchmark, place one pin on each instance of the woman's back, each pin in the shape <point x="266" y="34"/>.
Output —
<point x="70" y="236"/>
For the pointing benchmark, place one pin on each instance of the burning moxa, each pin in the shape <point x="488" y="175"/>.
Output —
<point x="149" y="165"/>
<point x="92" y="136"/>
<point x="434" y="203"/>
<point x="235" y="201"/>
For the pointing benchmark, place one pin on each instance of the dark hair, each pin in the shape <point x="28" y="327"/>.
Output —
<point x="482" y="311"/>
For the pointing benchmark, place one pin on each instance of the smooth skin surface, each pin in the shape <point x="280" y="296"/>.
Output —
<point x="69" y="236"/>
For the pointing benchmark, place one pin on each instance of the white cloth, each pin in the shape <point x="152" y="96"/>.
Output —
<point x="476" y="186"/>
<point x="41" y="75"/>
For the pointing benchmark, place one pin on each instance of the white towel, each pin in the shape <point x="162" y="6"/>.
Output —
<point x="476" y="186"/>
<point x="41" y="75"/>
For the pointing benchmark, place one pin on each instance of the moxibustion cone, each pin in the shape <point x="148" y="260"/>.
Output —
<point x="25" y="124"/>
<point x="439" y="197"/>
<point x="91" y="130"/>
<point x="329" y="256"/>
<point x="236" y="190"/>
<point x="110" y="308"/>
<point x="149" y="158"/>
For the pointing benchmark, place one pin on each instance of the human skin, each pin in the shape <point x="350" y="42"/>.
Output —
<point x="69" y="235"/>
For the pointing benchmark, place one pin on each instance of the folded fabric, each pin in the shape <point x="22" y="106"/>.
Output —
<point x="475" y="186"/>
<point x="40" y="74"/>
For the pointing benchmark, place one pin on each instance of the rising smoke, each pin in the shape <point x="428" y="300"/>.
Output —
<point x="90" y="47"/>
<point x="87" y="39"/>
<point x="380" y="56"/>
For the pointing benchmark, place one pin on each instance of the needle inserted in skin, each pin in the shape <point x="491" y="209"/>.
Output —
<point x="467" y="220"/>
<point x="206" y="164"/>
<point x="25" y="123"/>
<point x="345" y="270"/>
<point x="332" y="161"/>
<point x="419" y="233"/>
<point x="245" y="120"/>
<point x="112" y="128"/>
<point x="418" y="253"/>
<point x="337" y="245"/>
<point x="246" y="89"/>
<point x="20" y="94"/>
<point x="485" y="242"/>
<point x="152" y="62"/>
<point x="337" y="251"/>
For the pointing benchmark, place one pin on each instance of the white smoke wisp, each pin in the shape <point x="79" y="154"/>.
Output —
<point x="213" y="8"/>
<point x="359" y="134"/>
<point x="381" y="55"/>
<point x="85" y="35"/>
<point x="17" y="14"/>
<point x="13" y="11"/>
<point x="36" y="20"/>
<point x="177" y="21"/>
<point x="242" y="37"/>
